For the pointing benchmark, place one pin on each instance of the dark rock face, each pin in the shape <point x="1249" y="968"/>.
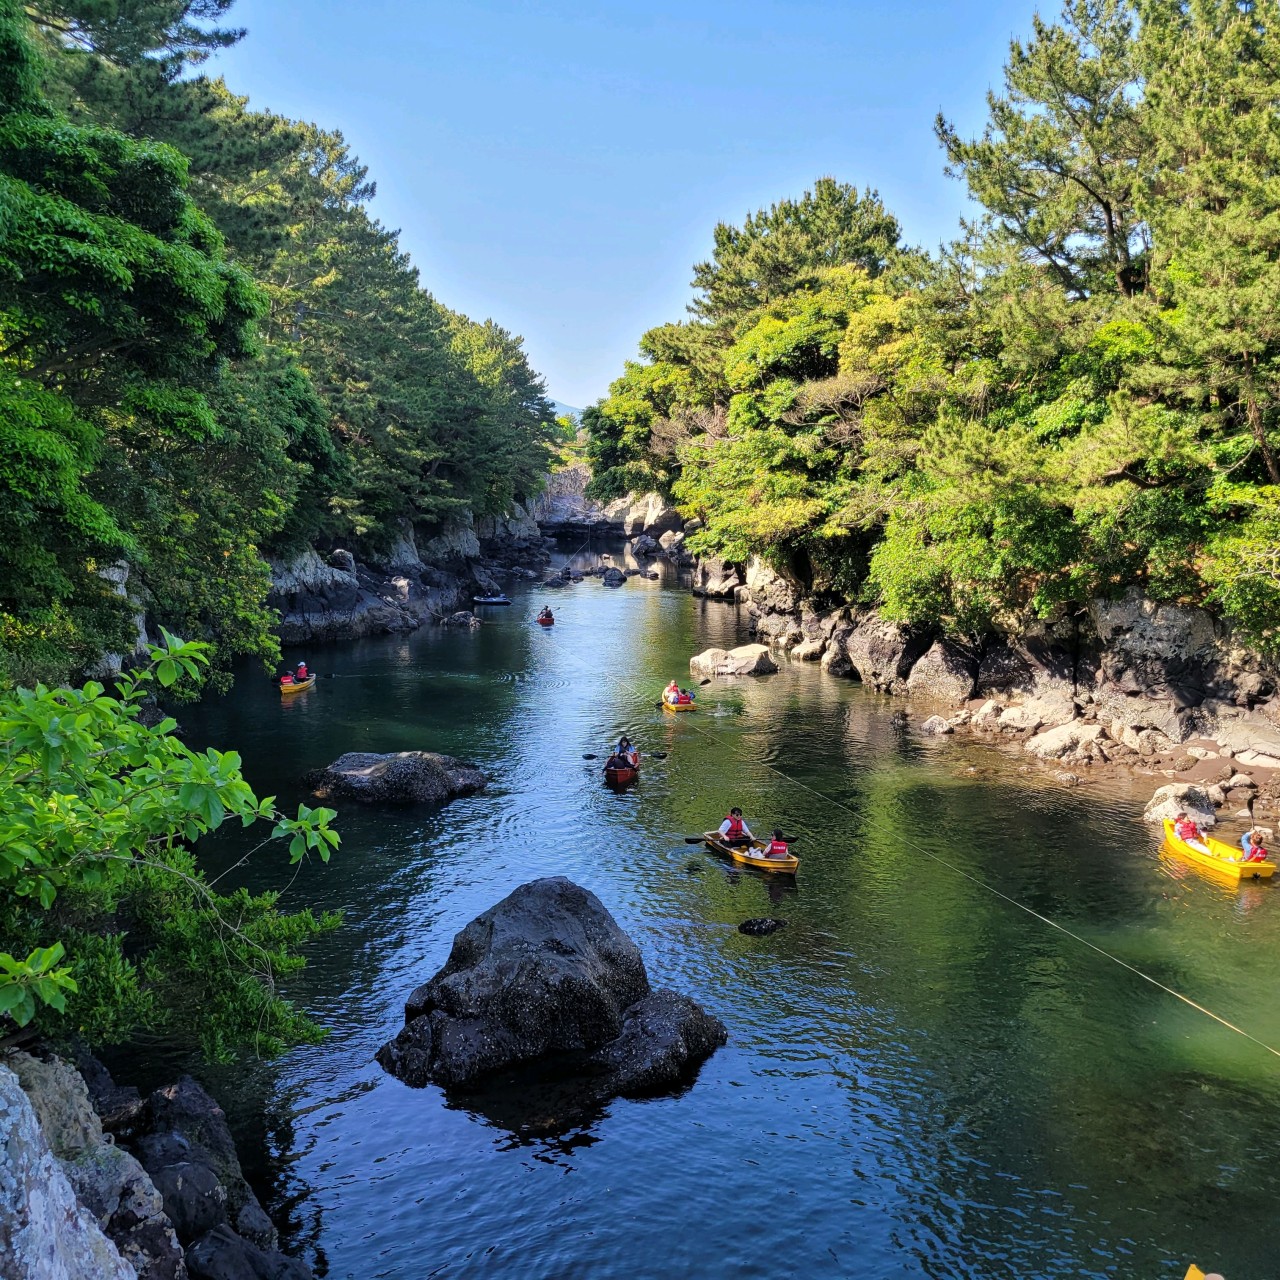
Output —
<point x="194" y="1128"/>
<point x="944" y="671"/>
<point x="548" y="975"/>
<point x="613" y="577"/>
<point x="883" y="653"/>
<point x="223" y="1255"/>
<point x="661" y="1035"/>
<point x="402" y="777"/>
<point x="761" y="926"/>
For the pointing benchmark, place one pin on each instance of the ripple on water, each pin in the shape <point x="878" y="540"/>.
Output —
<point x="922" y="1079"/>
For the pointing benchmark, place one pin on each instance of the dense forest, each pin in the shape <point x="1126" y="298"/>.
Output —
<point x="211" y="351"/>
<point x="1079" y="395"/>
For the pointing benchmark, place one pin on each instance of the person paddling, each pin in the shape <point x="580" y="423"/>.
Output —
<point x="627" y="751"/>
<point x="1252" y="846"/>
<point x="733" y="830"/>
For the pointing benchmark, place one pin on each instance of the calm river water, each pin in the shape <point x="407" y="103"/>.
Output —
<point x="921" y="1078"/>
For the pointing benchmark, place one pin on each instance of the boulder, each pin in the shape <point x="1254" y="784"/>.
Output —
<point x="400" y="777"/>
<point x="944" y="671"/>
<point x="1238" y="780"/>
<point x="715" y="579"/>
<point x="745" y="660"/>
<point x="809" y="650"/>
<point x="770" y="590"/>
<point x="548" y="974"/>
<point x="662" y="1035"/>
<point x="987" y="716"/>
<point x="464" y="620"/>
<point x="187" y="1114"/>
<point x="221" y="1254"/>
<point x="644" y="545"/>
<point x="1177" y="797"/>
<point x="779" y="630"/>
<point x="1063" y="741"/>
<point x="936" y="725"/>
<point x="1019" y="719"/>
<point x="45" y="1234"/>
<point x="836" y="659"/>
<point x="613" y="577"/>
<point x="883" y="653"/>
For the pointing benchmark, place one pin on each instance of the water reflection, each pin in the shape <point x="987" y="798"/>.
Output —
<point x="938" y="1083"/>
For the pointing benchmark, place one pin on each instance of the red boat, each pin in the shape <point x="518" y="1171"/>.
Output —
<point x="616" y="777"/>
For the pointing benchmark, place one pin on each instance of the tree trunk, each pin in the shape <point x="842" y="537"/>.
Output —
<point x="1253" y="414"/>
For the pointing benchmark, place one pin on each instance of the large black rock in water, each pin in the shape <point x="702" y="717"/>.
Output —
<point x="544" y="976"/>
<point x="401" y="777"/>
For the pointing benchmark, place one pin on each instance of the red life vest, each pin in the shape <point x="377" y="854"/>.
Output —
<point x="302" y="671"/>
<point x="1256" y="854"/>
<point x="777" y="849"/>
<point x="286" y="678"/>
<point x="735" y="826"/>
<point x="1186" y="831"/>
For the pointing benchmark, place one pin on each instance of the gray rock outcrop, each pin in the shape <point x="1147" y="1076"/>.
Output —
<point x="548" y="974"/>
<point x="400" y="777"/>
<point x="716" y="579"/>
<point x="1179" y="797"/>
<point x="45" y="1233"/>
<point x="745" y="660"/>
<point x="106" y="1180"/>
<point x="944" y="671"/>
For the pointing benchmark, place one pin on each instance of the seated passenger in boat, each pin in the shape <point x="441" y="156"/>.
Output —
<point x="671" y="693"/>
<point x="733" y="830"/>
<point x="303" y="673"/>
<point x="1252" y="847"/>
<point x="546" y="615"/>
<point x="1190" y="834"/>
<point x="777" y="847"/>
<point x="287" y="678"/>
<point x="684" y="697"/>
<point x="627" y="751"/>
<point x="617" y="761"/>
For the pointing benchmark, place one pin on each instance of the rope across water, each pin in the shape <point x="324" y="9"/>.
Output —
<point x="725" y="744"/>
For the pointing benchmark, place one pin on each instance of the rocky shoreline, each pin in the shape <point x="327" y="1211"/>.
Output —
<point x="1129" y="685"/>
<point x="100" y="1183"/>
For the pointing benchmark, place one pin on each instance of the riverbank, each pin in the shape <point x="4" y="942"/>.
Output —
<point x="893" y="979"/>
<point x="1129" y="685"/>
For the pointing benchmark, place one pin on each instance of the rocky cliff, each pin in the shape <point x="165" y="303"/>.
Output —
<point x="1164" y="686"/>
<point x="338" y="597"/>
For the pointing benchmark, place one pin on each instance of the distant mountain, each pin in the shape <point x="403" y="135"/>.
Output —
<point x="563" y="409"/>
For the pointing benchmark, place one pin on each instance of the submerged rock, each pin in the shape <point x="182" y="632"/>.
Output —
<point x="464" y="620"/>
<point x="400" y="777"/>
<point x="937" y="725"/>
<point x="548" y="975"/>
<point x="761" y="926"/>
<point x="613" y="577"/>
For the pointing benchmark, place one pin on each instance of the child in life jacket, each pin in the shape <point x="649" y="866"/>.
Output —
<point x="777" y="847"/>
<point x="1189" y="833"/>
<point x="1251" y="844"/>
<point x="287" y="678"/>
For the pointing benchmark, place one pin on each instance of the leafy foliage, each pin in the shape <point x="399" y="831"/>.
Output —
<point x="1078" y="396"/>
<point x="98" y="811"/>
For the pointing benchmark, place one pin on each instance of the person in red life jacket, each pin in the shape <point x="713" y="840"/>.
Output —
<point x="303" y="673"/>
<point x="1189" y="833"/>
<point x="671" y="693"/>
<point x="733" y="830"/>
<point x="287" y="678"/>
<point x="777" y="847"/>
<point x="1251" y="844"/>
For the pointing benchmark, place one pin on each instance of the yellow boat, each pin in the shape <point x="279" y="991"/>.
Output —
<point x="679" y="706"/>
<point x="297" y="686"/>
<point x="1222" y="859"/>
<point x="751" y="855"/>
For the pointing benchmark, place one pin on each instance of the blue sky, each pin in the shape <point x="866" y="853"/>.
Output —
<point x="560" y="166"/>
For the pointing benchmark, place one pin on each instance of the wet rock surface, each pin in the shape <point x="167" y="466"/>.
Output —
<point x="548" y="976"/>
<point x="745" y="660"/>
<point x="397" y="778"/>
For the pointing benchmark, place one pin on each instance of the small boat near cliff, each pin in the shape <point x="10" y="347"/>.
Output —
<point x="297" y="686"/>
<point x="490" y="600"/>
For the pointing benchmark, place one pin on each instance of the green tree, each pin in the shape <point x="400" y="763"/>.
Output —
<point x="97" y="815"/>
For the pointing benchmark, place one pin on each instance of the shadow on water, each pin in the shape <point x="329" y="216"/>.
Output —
<point x="922" y="1078"/>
